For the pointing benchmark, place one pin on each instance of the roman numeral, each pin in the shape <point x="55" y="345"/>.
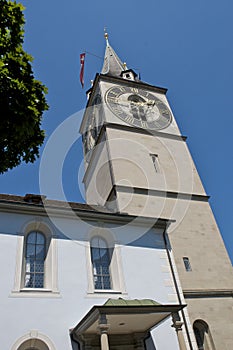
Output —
<point x="164" y="111"/>
<point x="113" y="99"/>
<point x="112" y="92"/>
<point x="134" y="90"/>
<point x="144" y="124"/>
<point x="129" y="119"/>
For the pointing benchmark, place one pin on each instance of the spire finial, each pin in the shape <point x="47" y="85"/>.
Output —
<point x="106" y="35"/>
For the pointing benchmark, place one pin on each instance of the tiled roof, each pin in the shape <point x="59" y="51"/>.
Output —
<point x="112" y="63"/>
<point x="40" y="200"/>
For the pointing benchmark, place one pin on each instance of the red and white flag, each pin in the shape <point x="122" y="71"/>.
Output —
<point x="82" y="59"/>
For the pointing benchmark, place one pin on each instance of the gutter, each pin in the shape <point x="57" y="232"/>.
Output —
<point x="177" y="289"/>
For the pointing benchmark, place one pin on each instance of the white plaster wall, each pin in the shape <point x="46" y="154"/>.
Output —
<point x="53" y="314"/>
<point x="150" y="277"/>
<point x="164" y="331"/>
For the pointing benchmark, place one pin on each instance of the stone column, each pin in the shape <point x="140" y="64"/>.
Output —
<point x="139" y="341"/>
<point x="103" y="328"/>
<point x="177" y="324"/>
<point x="86" y="341"/>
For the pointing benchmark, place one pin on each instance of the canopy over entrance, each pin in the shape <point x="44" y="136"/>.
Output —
<point x="120" y="317"/>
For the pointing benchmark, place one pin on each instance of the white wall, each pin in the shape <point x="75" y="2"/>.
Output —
<point x="143" y="267"/>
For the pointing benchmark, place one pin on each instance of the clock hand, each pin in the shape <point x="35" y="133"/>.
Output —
<point x="147" y="103"/>
<point x="130" y="102"/>
<point x="151" y="103"/>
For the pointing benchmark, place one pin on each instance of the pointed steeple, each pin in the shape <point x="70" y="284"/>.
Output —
<point x="112" y="63"/>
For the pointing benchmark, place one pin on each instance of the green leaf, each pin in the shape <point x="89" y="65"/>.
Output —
<point x="22" y="97"/>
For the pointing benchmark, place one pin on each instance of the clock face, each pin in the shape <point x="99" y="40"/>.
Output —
<point x="138" y="107"/>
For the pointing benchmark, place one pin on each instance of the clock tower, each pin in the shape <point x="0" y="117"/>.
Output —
<point x="134" y="152"/>
<point x="137" y="162"/>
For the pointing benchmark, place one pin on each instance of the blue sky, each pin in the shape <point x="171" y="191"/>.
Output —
<point x="184" y="46"/>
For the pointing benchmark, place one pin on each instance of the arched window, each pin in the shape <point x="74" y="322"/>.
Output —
<point x="199" y="335"/>
<point x="33" y="344"/>
<point x="37" y="342"/>
<point x="203" y="336"/>
<point x="35" y="253"/>
<point x="100" y="259"/>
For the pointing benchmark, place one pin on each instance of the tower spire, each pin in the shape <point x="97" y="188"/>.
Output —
<point x="112" y="63"/>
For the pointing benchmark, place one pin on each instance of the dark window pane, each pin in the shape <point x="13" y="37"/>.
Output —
<point x="199" y="338"/>
<point x="105" y="270"/>
<point x="39" y="252"/>
<point x="35" y="256"/>
<point x="187" y="264"/>
<point x="100" y="263"/>
<point x="106" y="282"/>
<point x="39" y="281"/>
<point x="29" y="280"/>
<point x="31" y="238"/>
<point x="39" y="267"/>
<point x="95" y="254"/>
<point x="30" y="251"/>
<point x="97" y="269"/>
<point x="40" y="239"/>
<point x="98" y="284"/>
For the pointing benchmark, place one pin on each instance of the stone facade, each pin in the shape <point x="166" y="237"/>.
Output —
<point x="122" y="175"/>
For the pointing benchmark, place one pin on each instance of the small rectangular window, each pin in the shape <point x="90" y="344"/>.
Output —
<point x="187" y="264"/>
<point x="155" y="161"/>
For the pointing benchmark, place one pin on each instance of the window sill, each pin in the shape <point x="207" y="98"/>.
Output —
<point x="104" y="292"/>
<point x="35" y="293"/>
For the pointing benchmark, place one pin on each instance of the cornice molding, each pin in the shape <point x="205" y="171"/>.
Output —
<point x="134" y="83"/>
<point x="166" y="194"/>
<point x="207" y="293"/>
<point x="144" y="131"/>
<point x="83" y="214"/>
<point x="114" y="79"/>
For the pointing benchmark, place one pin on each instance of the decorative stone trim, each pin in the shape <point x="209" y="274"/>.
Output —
<point x="33" y="336"/>
<point x="208" y="293"/>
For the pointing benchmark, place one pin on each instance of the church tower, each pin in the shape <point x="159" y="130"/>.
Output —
<point x="137" y="163"/>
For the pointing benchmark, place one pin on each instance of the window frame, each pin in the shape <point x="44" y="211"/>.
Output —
<point x="116" y="272"/>
<point x="201" y="330"/>
<point x="33" y="273"/>
<point x="50" y="269"/>
<point x="187" y="264"/>
<point x="155" y="161"/>
<point x="101" y="275"/>
<point x="33" y="338"/>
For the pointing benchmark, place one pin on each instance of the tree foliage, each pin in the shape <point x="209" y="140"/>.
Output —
<point x="22" y="97"/>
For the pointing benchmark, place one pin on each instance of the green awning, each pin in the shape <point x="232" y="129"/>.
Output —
<point x="133" y="302"/>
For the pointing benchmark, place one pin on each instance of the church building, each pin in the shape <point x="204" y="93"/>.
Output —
<point x="142" y="264"/>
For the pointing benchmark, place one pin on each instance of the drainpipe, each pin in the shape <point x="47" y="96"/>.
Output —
<point x="176" y="287"/>
<point x="75" y="341"/>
